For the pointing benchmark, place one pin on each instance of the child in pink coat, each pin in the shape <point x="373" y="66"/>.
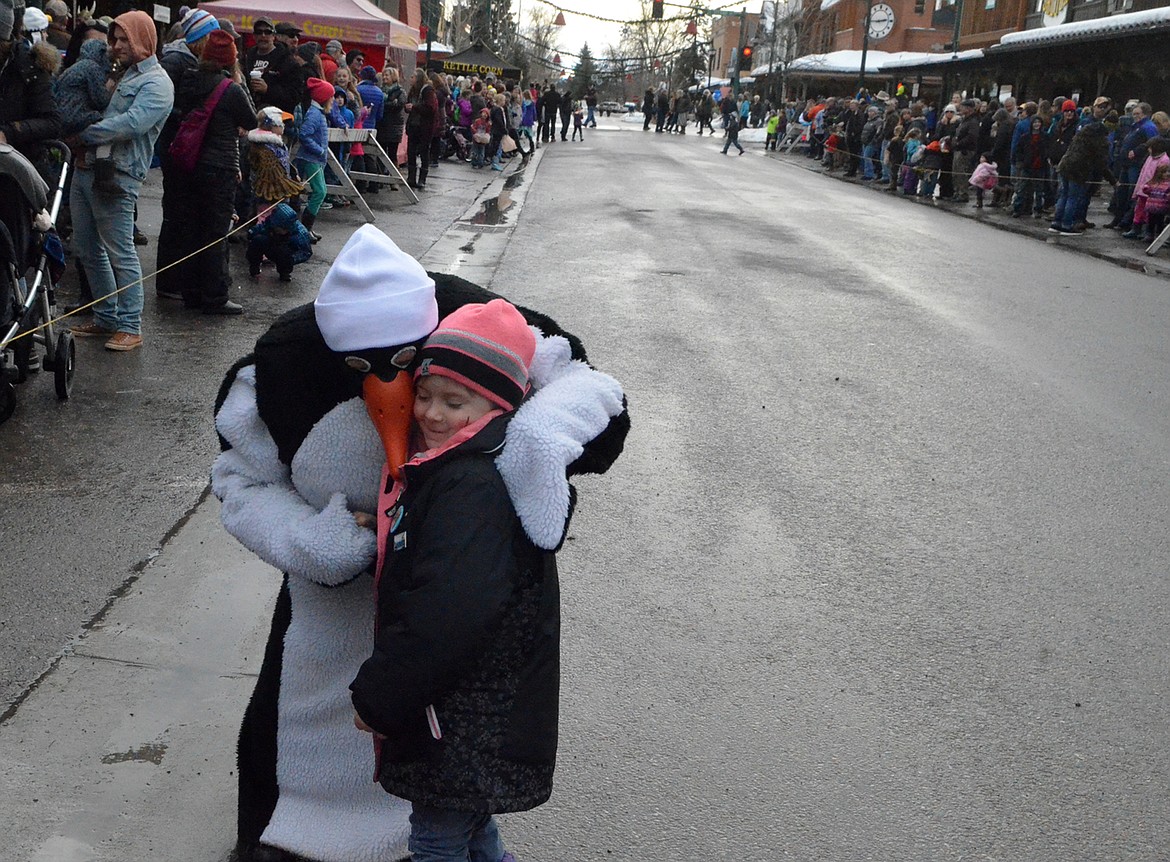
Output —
<point x="984" y="178"/>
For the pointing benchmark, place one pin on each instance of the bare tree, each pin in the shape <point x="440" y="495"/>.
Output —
<point x="796" y="28"/>
<point x="655" y="43"/>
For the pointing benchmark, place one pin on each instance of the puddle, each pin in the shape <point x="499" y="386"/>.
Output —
<point x="152" y="752"/>
<point x="494" y="211"/>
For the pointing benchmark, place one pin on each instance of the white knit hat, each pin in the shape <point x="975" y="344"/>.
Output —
<point x="375" y="295"/>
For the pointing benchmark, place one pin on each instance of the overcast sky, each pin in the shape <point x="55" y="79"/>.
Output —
<point x="578" y="30"/>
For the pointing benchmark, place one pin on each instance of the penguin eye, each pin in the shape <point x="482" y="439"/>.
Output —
<point x="381" y="364"/>
<point x="404" y="357"/>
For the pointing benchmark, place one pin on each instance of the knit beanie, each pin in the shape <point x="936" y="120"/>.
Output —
<point x="487" y="348"/>
<point x="320" y="91"/>
<point x="219" y="49"/>
<point x="1068" y="105"/>
<point x="332" y="45"/>
<point x="7" y="19"/>
<point x="369" y="73"/>
<point x="374" y="295"/>
<point x="197" y="24"/>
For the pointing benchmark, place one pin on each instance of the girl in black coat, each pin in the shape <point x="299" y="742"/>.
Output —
<point x="463" y="682"/>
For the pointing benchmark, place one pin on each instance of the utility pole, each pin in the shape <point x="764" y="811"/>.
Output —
<point x="865" y="43"/>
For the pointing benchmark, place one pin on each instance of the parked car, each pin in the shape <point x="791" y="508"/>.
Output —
<point x="608" y="108"/>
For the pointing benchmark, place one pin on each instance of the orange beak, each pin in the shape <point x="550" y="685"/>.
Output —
<point x="391" y="406"/>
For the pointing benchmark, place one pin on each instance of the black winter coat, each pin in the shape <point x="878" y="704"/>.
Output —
<point x="469" y="623"/>
<point x="393" y="114"/>
<point x="28" y="111"/>
<point x="221" y="144"/>
<point x="967" y="136"/>
<point x="1088" y="154"/>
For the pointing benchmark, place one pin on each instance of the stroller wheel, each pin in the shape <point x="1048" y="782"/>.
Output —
<point x="65" y="361"/>
<point x="7" y="400"/>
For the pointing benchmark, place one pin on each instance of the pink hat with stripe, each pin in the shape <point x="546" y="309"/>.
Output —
<point x="487" y="348"/>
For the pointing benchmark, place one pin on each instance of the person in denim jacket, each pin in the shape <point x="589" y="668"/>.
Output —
<point x="103" y="213"/>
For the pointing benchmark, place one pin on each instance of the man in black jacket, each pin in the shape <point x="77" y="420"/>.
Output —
<point x="854" y="120"/>
<point x="965" y="146"/>
<point x="550" y="103"/>
<point x="273" y="74"/>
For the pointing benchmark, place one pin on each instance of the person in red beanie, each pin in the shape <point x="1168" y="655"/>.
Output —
<point x="198" y="205"/>
<point x="312" y="154"/>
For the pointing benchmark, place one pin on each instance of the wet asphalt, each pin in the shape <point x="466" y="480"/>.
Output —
<point x="880" y="575"/>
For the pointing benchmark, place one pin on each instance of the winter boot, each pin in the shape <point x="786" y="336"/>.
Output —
<point x="307" y="219"/>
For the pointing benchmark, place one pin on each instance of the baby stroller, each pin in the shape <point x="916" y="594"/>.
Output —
<point x="31" y="260"/>
<point x="456" y="143"/>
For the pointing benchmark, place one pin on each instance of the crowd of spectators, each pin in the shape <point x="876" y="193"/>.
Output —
<point x="122" y="102"/>
<point x="1043" y="159"/>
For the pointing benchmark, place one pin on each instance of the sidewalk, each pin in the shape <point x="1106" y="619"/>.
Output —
<point x="1098" y="242"/>
<point x="124" y="748"/>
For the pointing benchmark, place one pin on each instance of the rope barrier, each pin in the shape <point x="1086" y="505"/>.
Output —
<point x="154" y="274"/>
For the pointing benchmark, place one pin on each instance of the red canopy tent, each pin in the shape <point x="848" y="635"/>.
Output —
<point x="355" y="23"/>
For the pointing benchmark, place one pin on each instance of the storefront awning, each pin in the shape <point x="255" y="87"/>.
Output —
<point x="1095" y="29"/>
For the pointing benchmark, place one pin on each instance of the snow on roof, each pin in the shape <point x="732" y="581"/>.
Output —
<point x="849" y="62"/>
<point x="826" y="5"/>
<point x="1110" y="25"/>
<point x="908" y="59"/>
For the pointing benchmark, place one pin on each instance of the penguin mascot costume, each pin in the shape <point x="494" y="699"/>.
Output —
<point x="306" y="423"/>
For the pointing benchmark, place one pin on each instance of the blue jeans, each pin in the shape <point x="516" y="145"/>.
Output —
<point x="103" y="237"/>
<point x="869" y="154"/>
<point x="589" y="119"/>
<point x="477" y="155"/>
<point x="1072" y="204"/>
<point x="439" y="835"/>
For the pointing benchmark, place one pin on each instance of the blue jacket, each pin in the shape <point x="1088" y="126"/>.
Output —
<point x="373" y="96"/>
<point x="1023" y="127"/>
<point x="314" y="136"/>
<point x="1139" y="133"/>
<point x="137" y="111"/>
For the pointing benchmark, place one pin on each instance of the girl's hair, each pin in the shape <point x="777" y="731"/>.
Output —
<point x="986" y="156"/>
<point x="914" y="134"/>
<point x="1160" y="172"/>
<point x="1157" y="145"/>
<point x="898" y="131"/>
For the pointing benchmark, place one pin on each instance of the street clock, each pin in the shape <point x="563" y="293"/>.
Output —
<point x="881" y="21"/>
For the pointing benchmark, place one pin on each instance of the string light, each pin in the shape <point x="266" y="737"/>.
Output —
<point x="687" y="17"/>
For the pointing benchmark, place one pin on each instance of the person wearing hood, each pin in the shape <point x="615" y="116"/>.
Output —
<point x="312" y="427"/>
<point x="103" y="215"/>
<point x="81" y="91"/>
<point x="28" y="111"/>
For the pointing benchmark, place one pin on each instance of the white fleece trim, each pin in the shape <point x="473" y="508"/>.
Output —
<point x="260" y="136"/>
<point x="572" y="404"/>
<point x="264" y="511"/>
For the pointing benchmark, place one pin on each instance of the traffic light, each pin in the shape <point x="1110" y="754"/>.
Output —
<point x="745" y="59"/>
<point x="656" y="8"/>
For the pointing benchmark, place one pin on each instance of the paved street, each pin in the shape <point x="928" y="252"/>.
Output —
<point x="882" y="574"/>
